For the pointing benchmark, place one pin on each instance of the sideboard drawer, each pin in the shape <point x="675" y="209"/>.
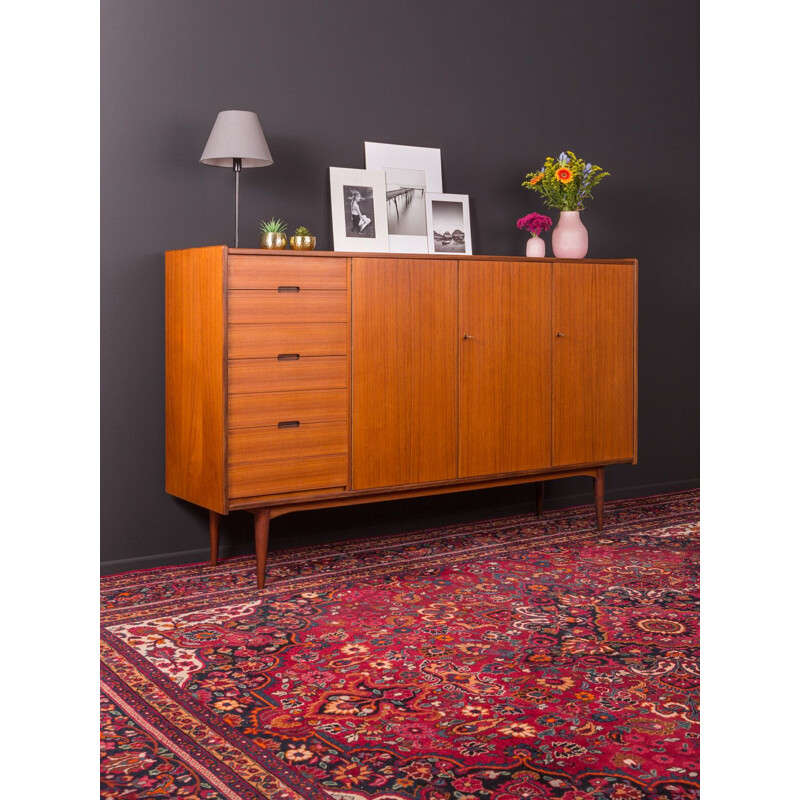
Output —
<point x="260" y="410"/>
<point x="307" y="305"/>
<point x="288" y="475"/>
<point x="259" y="272"/>
<point x="304" y="339"/>
<point x="289" y="439"/>
<point x="276" y="375"/>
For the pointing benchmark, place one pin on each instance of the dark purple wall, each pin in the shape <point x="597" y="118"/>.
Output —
<point x="495" y="86"/>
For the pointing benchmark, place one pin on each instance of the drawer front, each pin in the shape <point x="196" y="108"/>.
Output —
<point x="262" y="410"/>
<point x="311" y="305"/>
<point x="270" y="272"/>
<point x="287" y="475"/>
<point x="289" y="441"/>
<point x="304" y="339"/>
<point x="276" y="375"/>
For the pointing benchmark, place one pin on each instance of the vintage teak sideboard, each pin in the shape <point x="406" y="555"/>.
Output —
<point x="299" y="380"/>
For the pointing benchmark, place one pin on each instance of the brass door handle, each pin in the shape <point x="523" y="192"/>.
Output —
<point x="467" y="336"/>
<point x="561" y="334"/>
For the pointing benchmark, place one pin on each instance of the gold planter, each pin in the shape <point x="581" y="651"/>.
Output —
<point x="303" y="242"/>
<point x="273" y="241"/>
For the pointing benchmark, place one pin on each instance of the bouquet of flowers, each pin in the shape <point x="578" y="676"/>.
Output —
<point x="535" y="224"/>
<point x="565" y="183"/>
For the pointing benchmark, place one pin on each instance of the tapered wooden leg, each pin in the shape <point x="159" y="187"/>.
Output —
<point x="599" y="494"/>
<point x="262" y="538"/>
<point x="539" y="498"/>
<point x="213" y="528"/>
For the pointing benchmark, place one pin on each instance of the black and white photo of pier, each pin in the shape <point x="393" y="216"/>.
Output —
<point x="405" y="201"/>
<point x="448" y="227"/>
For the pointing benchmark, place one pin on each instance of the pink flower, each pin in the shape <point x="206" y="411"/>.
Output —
<point x="535" y="224"/>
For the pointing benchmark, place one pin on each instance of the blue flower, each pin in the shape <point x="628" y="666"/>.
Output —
<point x="563" y="159"/>
<point x="587" y="168"/>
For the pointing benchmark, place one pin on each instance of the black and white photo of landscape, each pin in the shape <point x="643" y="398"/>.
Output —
<point x="405" y="201"/>
<point x="448" y="227"/>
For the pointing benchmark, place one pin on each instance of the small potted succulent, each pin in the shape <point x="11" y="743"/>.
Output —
<point x="302" y="239"/>
<point x="273" y="234"/>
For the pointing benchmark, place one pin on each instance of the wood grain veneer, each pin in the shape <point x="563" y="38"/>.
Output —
<point x="270" y="408"/>
<point x="310" y="380"/>
<point x="405" y="371"/>
<point x="274" y="443"/>
<point x="307" y="305"/>
<point x="195" y="328"/>
<point x="593" y="387"/>
<point x="272" y="374"/>
<point x="287" y="475"/>
<point x="270" y="341"/>
<point x="505" y="367"/>
<point x="271" y="271"/>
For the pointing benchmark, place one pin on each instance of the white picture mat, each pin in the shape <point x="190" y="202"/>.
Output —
<point x="382" y="156"/>
<point x="375" y="180"/>
<point x="459" y="199"/>
<point x="428" y="159"/>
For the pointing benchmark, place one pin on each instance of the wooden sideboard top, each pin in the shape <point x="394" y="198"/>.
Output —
<point x="245" y="251"/>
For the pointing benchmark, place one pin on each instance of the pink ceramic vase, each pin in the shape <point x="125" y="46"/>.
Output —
<point x="535" y="247"/>
<point x="570" y="237"/>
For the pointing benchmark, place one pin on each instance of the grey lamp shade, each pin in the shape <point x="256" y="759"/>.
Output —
<point x="236" y="134"/>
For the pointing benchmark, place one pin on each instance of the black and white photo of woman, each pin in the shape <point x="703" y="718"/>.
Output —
<point x="359" y="205"/>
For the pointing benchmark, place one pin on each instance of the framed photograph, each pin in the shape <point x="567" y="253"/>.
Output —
<point x="448" y="224"/>
<point x="411" y="172"/>
<point x="358" y="210"/>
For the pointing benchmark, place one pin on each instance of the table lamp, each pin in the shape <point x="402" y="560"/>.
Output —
<point x="236" y="141"/>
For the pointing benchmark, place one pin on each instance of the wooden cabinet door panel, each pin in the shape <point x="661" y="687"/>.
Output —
<point x="404" y="364"/>
<point x="505" y="367"/>
<point x="594" y="322"/>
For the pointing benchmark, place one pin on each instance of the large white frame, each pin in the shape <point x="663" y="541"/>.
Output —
<point x="376" y="181"/>
<point x="463" y="201"/>
<point x="382" y="156"/>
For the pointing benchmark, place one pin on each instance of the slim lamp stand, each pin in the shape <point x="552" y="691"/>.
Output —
<point x="237" y="168"/>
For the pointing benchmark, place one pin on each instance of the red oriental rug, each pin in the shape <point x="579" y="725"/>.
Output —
<point x="525" y="657"/>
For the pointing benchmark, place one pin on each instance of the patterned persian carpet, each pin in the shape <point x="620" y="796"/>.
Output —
<point x="523" y="657"/>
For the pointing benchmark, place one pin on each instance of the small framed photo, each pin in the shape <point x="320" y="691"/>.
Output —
<point x="411" y="172"/>
<point x="358" y="210"/>
<point x="448" y="223"/>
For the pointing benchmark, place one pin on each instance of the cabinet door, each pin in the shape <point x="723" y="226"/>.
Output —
<point x="594" y="363"/>
<point x="505" y="367"/>
<point x="404" y="364"/>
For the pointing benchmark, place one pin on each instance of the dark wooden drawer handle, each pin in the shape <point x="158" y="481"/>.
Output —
<point x="288" y="288"/>
<point x="289" y="357"/>
<point x="293" y="424"/>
